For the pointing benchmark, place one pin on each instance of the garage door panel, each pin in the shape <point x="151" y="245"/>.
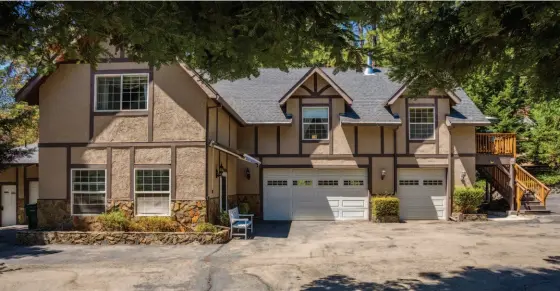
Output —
<point x="421" y="193"/>
<point x="319" y="194"/>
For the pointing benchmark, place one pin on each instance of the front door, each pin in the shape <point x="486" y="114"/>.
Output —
<point x="9" y="205"/>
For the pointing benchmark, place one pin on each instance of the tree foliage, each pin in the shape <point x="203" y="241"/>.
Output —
<point x="18" y="122"/>
<point x="543" y="137"/>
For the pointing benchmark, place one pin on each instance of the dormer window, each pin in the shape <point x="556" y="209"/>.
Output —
<point x="421" y="123"/>
<point x="121" y="92"/>
<point x="315" y="123"/>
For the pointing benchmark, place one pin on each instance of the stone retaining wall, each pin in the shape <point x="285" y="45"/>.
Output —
<point x="114" y="238"/>
<point x="460" y="217"/>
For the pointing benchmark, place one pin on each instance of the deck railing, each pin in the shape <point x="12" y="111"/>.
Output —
<point x="496" y="143"/>
<point x="530" y="183"/>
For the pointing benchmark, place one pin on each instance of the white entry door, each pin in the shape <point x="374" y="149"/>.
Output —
<point x="33" y="192"/>
<point x="422" y="193"/>
<point x="315" y="194"/>
<point x="9" y="205"/>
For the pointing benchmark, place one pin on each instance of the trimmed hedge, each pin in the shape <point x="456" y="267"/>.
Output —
<point x="467" y="199"/>
<point x="385" y="206"/>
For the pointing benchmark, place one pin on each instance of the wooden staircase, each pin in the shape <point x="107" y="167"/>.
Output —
<point x="528" y="195"/>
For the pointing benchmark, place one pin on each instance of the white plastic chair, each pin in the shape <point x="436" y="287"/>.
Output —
<point x="236" y="222"/>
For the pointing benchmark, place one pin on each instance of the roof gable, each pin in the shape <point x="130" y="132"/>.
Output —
<point x="315" y="73"/>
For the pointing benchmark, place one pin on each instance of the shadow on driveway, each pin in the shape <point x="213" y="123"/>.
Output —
<point x="9" y="249"/>
<point x="272" y="229"/>
<point x="469" y="278"/>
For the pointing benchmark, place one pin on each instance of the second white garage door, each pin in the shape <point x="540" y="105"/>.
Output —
<point x="422" y="193"/>
<point x="313" y="194"/>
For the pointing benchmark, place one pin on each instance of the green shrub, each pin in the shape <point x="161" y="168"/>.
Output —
<point x="114" y="221"/>
<point x="206" y="227"/>
<point x="549" y="178"/>
<point x="481" y="184"/>
<point x="244" y="208"/>
<point x="153" y="224"/>
<point x="224" y="218"/>
<point x="467" y="199"/>
<point x="385" y="206"/>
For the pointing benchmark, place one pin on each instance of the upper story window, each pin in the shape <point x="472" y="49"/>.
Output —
<point x="121" y="92"/>
<point x="421" y="123"/>
<point x="315" y="123"/>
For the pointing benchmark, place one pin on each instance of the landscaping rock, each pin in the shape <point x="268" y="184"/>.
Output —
<point x="462" y="217"/>
<point x="113" y="238"/>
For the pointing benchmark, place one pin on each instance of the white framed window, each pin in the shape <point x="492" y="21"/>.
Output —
<point x="302" y="183"/>
<point x="408" y="183"/>
<point x="327" y="183"/>
<point x="121" y="92"/>
<point x="277" y="183"/>
<point x="88" y="191"/>
<point x="353" y="182"/>
<point x="152" y="192"/>
<point x="421" y="123"/>
<point x="315" y="123"/>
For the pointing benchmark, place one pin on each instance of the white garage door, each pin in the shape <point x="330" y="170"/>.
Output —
<point x="422" y="193"/>
<point x="315" y="194"/>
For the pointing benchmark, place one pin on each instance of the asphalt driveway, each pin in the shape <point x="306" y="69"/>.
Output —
<point x="309" y="256"/>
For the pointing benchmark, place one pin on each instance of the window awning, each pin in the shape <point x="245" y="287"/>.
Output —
<point x="242" y="156"/>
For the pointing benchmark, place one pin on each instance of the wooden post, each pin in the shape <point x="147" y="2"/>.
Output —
<point x="512" y="184"/>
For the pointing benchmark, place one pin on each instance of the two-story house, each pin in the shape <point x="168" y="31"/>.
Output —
<point x="306" y="144"/>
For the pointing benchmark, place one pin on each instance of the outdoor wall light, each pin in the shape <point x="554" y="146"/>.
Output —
<point x="463" y="176"/>
<point x="383" y="174"/>
<point x="248" y="174"/>
<point x="220" y="171"/>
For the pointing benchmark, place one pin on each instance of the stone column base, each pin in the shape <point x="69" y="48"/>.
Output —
<point x="54" y="214"/>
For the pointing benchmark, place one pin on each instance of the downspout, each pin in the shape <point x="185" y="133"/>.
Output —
<point x="395" y="160"/>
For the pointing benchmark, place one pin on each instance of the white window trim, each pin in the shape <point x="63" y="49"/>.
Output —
<point x="152" y="192"/>
<point x="121" y="75"/>
<point x="87" y="192"/>
<point x="303" y="123"/>
<point x="433" y="122"/>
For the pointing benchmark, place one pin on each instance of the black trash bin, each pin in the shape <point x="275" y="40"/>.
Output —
<point x="31" y="212"/>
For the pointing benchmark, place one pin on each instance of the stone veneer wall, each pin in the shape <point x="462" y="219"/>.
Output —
<point x="21" y="218"/>
<point x="113" y="238"/>
<point x="55" y="214"/>
<point x="254" y="203"/>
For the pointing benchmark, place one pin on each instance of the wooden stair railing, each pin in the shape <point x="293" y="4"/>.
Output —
<point x="496" y="143"/>
<point x="528" y="182"/>
<point x="499" y="179"/>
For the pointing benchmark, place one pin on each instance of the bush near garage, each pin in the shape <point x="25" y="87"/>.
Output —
<point x="467" y="199"/>
<point x="385" y="209"/>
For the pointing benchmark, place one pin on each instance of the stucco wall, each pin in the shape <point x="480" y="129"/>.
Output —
<point x="289" y="135"/>
<point x="464" y="139"/>
<point x="389" y="142"/>
<point x="267" y="140"/>
<point x="369" y="140"/>
<point x="223" y="127"/>
<point x="120" y="129"/>
<point x="149" y="156"/>
<point x="82" y="155"/>
<point x="399" y="108"/>
<point x="422" y="161"/>
<point x="315" y="148"/>
<point x="246" y="139"/>
<point x="386" y="185"/>
<point x="232" y="174"/>
<point x="64" y="105"/>
<point x="342" y="137"/>
<point x="443" y="131"/>
<point x="213" y="163"/>
<point x="212" y="117"/>
<point x="8" y="175"/>
<point x="190" y="174"/>
<point x="120" y="178"/>
<point x="179" y="106"/>
<point x="467" y="165"/>
<point x="52" y="173"/>
<point x="245" y="186"/>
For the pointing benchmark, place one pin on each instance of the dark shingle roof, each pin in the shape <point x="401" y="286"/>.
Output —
<point x="256" y="100"/>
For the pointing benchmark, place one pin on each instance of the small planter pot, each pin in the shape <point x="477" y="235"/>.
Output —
<point x="386" y="219"/>
<point x="462" y="217"/>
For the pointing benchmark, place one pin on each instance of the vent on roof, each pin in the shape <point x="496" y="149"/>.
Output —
<point x="369" y="69"/>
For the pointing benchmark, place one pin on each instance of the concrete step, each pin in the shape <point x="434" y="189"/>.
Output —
<point x="534" y="207"/>
<point x="534" y="212"/>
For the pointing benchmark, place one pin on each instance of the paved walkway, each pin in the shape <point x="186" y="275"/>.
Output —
<point x="522" y="255"/>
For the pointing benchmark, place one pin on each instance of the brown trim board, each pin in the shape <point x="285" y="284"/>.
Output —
<point x="123" y="144"/>
<point x="68" y="171"/>
<point x="131" y="166"/>
<point x="151" y="105"/>
<point x="436" y="129"/>
<point x="407" y="126"/>
<point x="278" y="140"/>
<point x="395" y="161"/>
<point x="174" y="172"/>
<point x="382" y="139"/>
<point x="89" y="166"/>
